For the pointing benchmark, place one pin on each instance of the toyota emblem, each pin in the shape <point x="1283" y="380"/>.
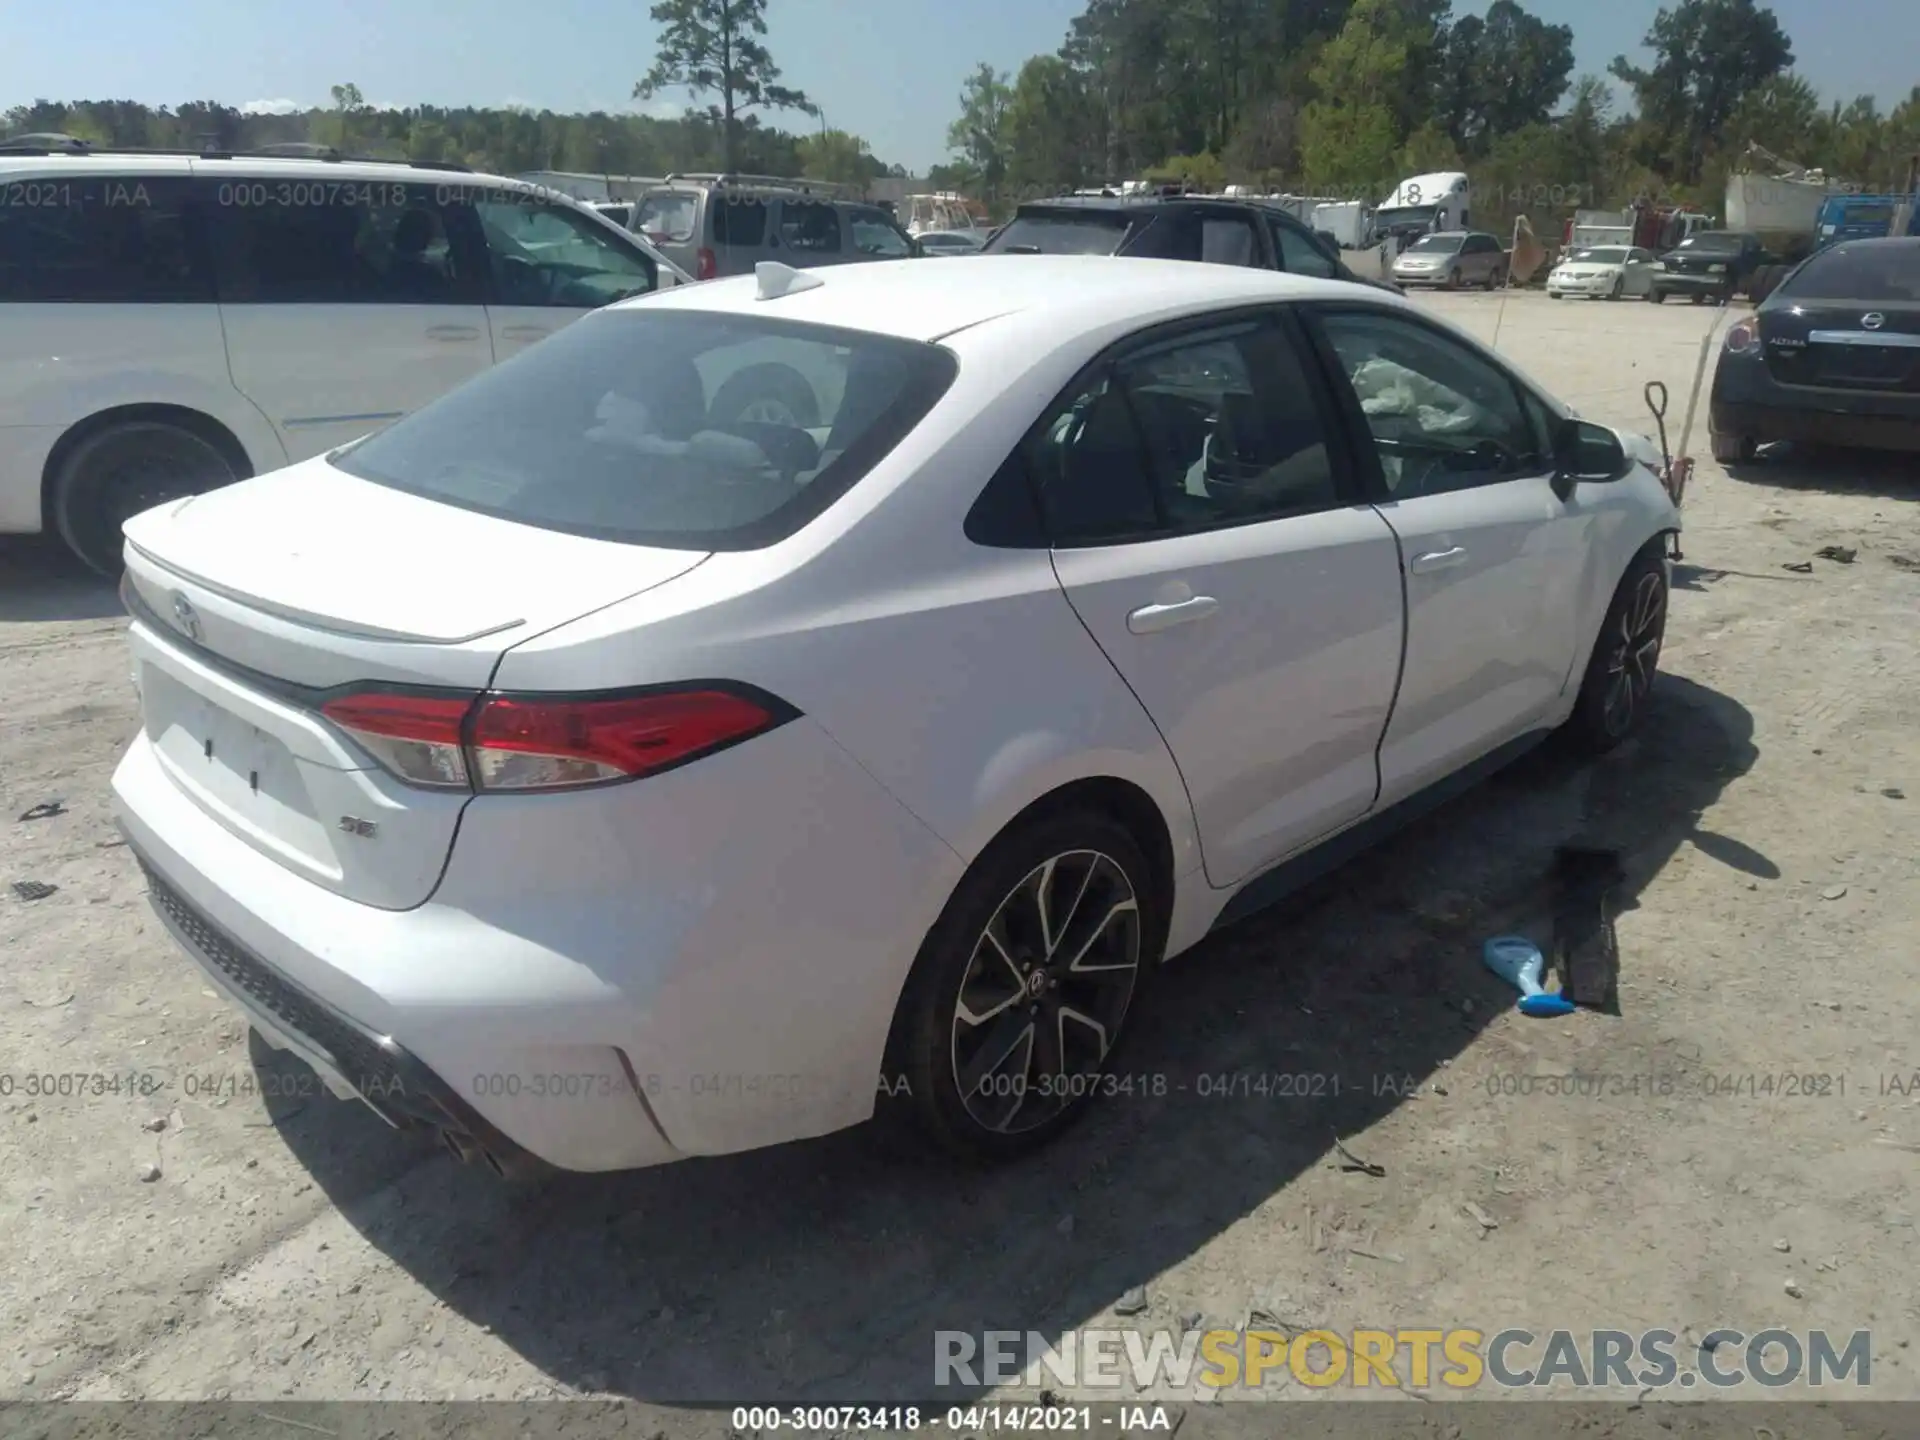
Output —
<point x="1873" y="321"/>
<point x="186" y="617"/>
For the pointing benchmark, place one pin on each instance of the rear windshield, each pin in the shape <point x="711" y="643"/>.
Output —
<point x="684" y="429"/>
<point x="1876" y="274"/>
<point x="1093" y="233"/>
<point x="667" y="217"/>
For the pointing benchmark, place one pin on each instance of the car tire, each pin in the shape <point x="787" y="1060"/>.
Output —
<point x="115" y="474"/>
<point x="1493" y="279"/>
<point x="1626" y="655"/>
<point x="1733" y="449"/>
<point x="1619" y="289"/>
<point x="1657" y="295"/>
<point x="987" y="960"/>
<point x="773" y="394"/>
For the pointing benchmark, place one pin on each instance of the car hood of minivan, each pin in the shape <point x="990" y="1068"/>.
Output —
<point x="320" y="547"/>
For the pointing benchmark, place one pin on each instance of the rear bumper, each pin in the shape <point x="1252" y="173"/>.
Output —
<point x="353" y="1061"/>
<point x="703" y="962"/>
<point x="1747" y="401"/>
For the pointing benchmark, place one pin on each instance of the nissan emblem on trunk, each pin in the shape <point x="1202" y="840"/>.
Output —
<point x="186" y="617"/>
<point x="1873" y="321"/>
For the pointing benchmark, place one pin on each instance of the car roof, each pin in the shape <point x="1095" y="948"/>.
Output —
<point x="916" y="301"/>
<point x="130" y="163"/>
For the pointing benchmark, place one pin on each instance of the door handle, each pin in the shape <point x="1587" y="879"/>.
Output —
<point x="453" y="332"/>
<point x="1151" y="618"/>
<point x="1438" y="560"/>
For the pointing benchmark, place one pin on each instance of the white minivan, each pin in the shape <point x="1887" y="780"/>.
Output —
<point x="170" y="322"/>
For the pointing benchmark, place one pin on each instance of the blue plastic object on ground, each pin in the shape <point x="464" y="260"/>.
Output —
<point x="1518" y="961"/>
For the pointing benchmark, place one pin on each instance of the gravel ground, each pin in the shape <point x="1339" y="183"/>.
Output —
<point x="236" y="1233"/>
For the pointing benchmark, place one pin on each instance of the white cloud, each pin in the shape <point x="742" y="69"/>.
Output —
<point x="271" y="107"/>
<point x="663" y="108"/>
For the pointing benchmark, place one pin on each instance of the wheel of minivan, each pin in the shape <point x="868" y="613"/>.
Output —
<point x="1626" y="655"/>
<point x="771" y="394"/>
<point x="114" y="475"/>
<point x="1019" y="994"/>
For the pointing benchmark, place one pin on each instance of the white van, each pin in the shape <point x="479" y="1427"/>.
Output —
<point x="170" y="322"/>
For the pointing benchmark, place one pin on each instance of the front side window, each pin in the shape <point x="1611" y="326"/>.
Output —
<point x="1299" y="255"/>
<point x="552" y="255"/>
<point x="1442" y="417"/>
<point x="298" y="241"/>
<point x="875" y="234"/>
<point x="809" y="227"/>
<point x="88" y="238"/>
<point x="687" y="429"/>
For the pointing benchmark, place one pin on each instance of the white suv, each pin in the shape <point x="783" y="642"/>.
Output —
<point x="172" y="322"/>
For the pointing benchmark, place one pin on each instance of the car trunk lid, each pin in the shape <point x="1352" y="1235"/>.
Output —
<point x="255" y="603"/>
<point x="1844" y="344"/>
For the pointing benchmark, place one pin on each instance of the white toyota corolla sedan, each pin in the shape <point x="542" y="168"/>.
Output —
<point x="791" y="693"/>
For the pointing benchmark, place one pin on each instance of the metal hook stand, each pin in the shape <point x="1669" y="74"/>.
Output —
<point x="1674" y="471"/>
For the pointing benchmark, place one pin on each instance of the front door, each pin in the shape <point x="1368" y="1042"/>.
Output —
<point x="1494" y="559"/>
<point x="550" y="264"/>
<point x="344" y="301"/>
<point x="1208" y="537"/>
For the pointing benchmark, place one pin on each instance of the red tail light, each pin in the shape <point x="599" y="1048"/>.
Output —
<point x="415" y="735"/>
<point x="535" y="742"/>
<point x="708" y="267"/>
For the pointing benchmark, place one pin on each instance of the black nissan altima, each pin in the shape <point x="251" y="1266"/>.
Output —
<point x="1832" y="357"/>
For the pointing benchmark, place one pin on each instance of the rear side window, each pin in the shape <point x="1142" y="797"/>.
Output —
<point x="1871" y="274"/>
<point x="1092" y="233"/>
<point x="1210" y="239"/>
<point x="666" y="216"/>
<point x="809" y="227"/>
<point x="740" y="221"/>
<point x="133" y="239"/>
<point x="683" y="429"/>
<point x="300" y="241"/>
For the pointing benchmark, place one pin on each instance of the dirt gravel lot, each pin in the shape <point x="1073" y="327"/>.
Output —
<point x="292" y="1247"/>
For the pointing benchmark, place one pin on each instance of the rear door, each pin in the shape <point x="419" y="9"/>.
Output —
<point x="548" y="264"/>
<point x="1495" y="562"/>
<point x="345" y="302"/>
<point x="1207" y="536"/>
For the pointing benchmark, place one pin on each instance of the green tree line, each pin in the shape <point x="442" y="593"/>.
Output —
<point x="1346" y="97"/>
<point x="500" y="141"/>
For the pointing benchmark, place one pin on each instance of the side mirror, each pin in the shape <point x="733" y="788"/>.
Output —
<point x="1585" y="453"/>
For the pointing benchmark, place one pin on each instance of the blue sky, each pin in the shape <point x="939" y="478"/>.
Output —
<point x="889" y="70"/>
